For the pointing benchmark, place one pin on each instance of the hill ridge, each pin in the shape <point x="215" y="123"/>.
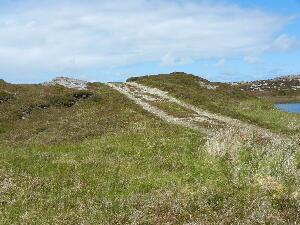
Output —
<point x="195" y="118"/>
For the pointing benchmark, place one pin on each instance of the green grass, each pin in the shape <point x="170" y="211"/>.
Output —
<point x="227" y="100"/>
<point x="104" y="160"/>
<point x="173" y="109"/>
<point x="266" y="115"/>
<point x="283" y="99"/>
<point x="151" y="174"/>
<point x="65" y="117"/>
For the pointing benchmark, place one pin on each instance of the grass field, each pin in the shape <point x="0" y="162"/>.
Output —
<point x="103" y="160"/>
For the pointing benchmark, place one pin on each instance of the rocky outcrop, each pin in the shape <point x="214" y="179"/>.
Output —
<point x="289" y="78"/>
<point x="68" y="83"/>
<point x="283" y="83"/>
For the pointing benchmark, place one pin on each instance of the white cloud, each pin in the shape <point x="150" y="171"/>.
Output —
<point x="48" y="35"/>
<point x="284" y="43"/>
<point x="253" y="59"/>
<point x="220" y="63"/>
<point x="170" y="60"/>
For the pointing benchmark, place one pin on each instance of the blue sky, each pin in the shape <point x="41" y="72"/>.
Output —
<point x="111" y="40"/>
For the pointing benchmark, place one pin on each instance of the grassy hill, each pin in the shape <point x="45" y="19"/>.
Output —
<point x="42" y="115"/>
<point x="225" y="99"/>
<point x="96" y="157"/>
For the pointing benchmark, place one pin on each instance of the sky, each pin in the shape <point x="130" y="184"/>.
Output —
<point x="111" y="40"/>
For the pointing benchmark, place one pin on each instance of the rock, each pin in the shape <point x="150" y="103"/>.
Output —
<point x="288" y="77"/>
<point x="68" y="83"/>
<point x="283" y="83"/>
<point x="26" y="112"/>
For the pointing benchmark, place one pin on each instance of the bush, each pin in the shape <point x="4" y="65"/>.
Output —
<point x="82" y="94"/>
<point x="132" y="79"/>
<point x="5" y="96"/>
<point x="62" y="100"/>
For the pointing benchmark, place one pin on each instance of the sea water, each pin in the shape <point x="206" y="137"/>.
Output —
<point x="289" y="107"/>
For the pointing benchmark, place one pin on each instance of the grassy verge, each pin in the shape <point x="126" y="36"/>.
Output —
<point x="266" y="115"/>
<point x="283" y="99"/>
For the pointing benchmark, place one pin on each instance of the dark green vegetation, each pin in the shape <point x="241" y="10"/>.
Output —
<point x="95" y="157"/>
<point x="45" y="115"/>
<point x="224" y="99"/>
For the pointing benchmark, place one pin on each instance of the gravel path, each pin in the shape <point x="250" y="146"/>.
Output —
<point x="142" y="98"/>
<point x="202" y="120"/>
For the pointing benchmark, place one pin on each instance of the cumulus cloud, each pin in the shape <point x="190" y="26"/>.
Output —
<point x="108" y="34"/>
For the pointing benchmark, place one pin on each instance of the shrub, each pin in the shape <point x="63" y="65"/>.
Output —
<point x="63" y="100"/>
<point x="82" y="94"/>
<point x="132" y="79"/>
<point x="5" y="96"/>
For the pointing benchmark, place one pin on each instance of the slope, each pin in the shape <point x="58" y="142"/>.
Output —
<point x="224" y="99"/>
<point x="42" y="115"/>
<point x="109" y="161"/>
